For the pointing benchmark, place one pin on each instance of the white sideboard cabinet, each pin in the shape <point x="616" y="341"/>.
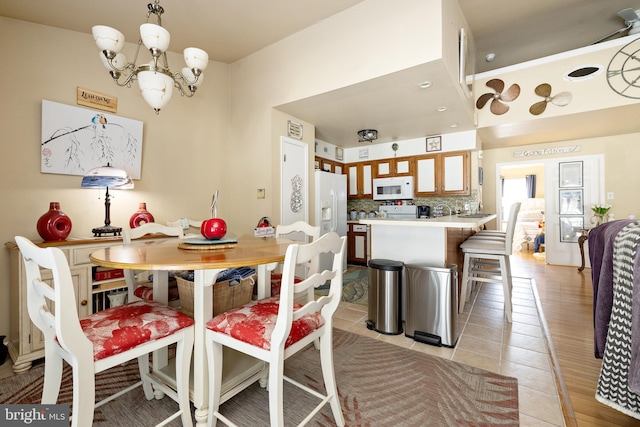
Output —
<point x="25" y="341"/>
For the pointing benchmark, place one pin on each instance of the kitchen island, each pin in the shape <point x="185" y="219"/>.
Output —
<point x="434" y="241"/>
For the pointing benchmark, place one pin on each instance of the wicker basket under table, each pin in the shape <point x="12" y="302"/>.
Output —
<point x="225" y="294"/>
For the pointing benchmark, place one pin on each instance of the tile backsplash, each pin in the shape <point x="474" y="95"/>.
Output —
<point x="456" y="202"/>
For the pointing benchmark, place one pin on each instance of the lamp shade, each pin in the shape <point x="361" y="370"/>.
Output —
<point x="196" y="58"/>
<point x="156" y="88"/>
<point x="107" y="177"/>
<point x="155" y="37"/>
<point x="108" y="38"/>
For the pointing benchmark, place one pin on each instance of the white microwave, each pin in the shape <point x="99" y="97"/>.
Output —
<point x="397" y="188"/>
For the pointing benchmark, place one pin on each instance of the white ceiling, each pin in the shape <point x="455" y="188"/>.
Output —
<point x="515" y="30"/>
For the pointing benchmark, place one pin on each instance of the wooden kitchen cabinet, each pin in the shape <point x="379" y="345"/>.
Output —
<point x="444" y="174"/>
<point x="357" y="244"/>
<point x="359" y="180"/>
<point x="387" y="168"/>
<point x="25" y="341"/>
<point x="329" y="165"/>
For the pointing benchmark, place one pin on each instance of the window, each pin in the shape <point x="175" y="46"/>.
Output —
<point x="513" y="190"/>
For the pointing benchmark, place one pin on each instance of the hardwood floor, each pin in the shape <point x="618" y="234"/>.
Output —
<point x="566" y="297"/>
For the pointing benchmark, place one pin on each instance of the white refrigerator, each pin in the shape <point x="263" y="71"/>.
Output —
<point x="331" y="208"/>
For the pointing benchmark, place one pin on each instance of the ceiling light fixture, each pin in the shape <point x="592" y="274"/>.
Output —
<point x="368" y="135"/>
<point x="155" y="80"/>
<point x="441" y="109"/>
<point x="425" y="84"/>
<point x="490" y="57"/>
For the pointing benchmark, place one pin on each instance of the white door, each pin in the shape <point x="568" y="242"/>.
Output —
<point x="563" y="230"/>
<point x="294" y="185"/>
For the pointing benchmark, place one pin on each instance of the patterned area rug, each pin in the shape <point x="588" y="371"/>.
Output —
<point x="379" y="385"/>
<point x="355" y="285"/>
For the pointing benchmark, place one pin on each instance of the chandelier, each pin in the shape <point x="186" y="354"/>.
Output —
<point x="154" y="78"/>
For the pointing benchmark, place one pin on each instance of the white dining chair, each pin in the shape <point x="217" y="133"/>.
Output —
<point x="488" y="260"/>
<point x="279" y="328"/>
<point x="305" y="233"/>
<point x="187" y="224"/>
<point x="102" y="340"/>
<point x="138" y="285"/>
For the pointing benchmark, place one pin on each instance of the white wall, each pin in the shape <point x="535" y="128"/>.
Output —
<point x="324" y="57"/>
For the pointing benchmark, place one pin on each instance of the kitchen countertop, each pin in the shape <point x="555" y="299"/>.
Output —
<point x="446" y="221"/>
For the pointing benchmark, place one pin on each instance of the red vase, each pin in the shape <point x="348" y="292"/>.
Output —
<point x="54" y="224"/>
<point x="141" y="216"/>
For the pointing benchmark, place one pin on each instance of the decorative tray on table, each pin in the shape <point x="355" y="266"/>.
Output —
<point x="200" y="243"/>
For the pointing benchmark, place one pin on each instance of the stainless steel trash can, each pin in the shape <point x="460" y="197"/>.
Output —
<point x="432" y="304"/>
<point x="385" y="296"/>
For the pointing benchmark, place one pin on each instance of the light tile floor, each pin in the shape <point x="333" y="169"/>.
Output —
<point x="489" y="342"/>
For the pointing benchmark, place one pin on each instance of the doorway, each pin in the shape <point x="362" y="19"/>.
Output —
<point x="562" y="227"/>
<point x="524" y="183"/>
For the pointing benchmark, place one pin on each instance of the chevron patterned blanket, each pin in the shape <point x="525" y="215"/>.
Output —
<point x="601" y="250"/>
<point x="618" y="382"/>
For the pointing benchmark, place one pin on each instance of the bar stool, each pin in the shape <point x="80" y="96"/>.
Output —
<point x="487" y="260"/>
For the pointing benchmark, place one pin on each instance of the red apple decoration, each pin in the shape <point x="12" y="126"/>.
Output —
<point x="213" y="228"/>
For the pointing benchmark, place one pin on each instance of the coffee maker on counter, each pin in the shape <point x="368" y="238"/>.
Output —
<point x="424" y="211"/>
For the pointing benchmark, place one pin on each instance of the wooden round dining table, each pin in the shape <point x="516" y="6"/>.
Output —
<point x="207" y="262"/>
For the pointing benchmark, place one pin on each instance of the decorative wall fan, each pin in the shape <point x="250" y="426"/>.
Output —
<point x="497" y="107"/>
<point x="631" y="20"/>
<point x="544" y="90"/>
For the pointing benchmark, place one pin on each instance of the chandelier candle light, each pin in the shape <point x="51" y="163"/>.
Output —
<point x="155" y="80"/>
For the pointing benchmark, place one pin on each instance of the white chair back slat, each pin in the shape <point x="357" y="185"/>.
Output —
<point x="305" y="233"/>
<point x="511" y="226"/>
<point x="185" y="223"/>
<point x="60" y="322"/>
<point x="129" y="234"/>
<point x="47" y="293"/>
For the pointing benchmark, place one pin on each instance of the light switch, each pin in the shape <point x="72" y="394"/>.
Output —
<point x="260" y="193"/>
<point x="610" y="195"/>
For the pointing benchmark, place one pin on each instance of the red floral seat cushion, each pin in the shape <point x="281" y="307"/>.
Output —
<point x="253" y="323"/>
<point x="146" y="293"/>
<point x="121" y="328"/>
